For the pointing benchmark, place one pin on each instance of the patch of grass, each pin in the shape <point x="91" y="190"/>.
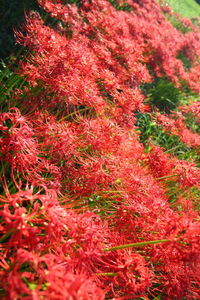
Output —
<point x="124" y="6"/>
<point x="185" y="61"/>
<point x="9" y="81"/>
<point x="177" y="24"/>
<point x="186" y="8"/>
<point x="192" y="123"/>
<point x="150" y="132"/>
<point x="163" y="94"/>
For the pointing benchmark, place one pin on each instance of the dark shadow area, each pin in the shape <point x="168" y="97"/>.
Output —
<point x="12" y="16"/>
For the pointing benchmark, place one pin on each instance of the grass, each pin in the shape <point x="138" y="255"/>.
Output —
<point x="151" y="132"/>
<point x="186" y="8"/>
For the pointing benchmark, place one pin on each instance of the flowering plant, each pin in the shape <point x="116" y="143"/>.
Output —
<point x="94" y="213"/>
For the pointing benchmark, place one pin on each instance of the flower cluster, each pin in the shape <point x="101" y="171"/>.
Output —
<point x="87" y="212"/>
<point x="175" y="124"/>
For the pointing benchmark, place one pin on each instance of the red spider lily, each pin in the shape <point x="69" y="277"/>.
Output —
<point x="125" y="272"/>
<point x="160" y="162"/>
<point x="178" y="127"/>
<point x="189" y="174"/>
<point x="79" y="155"/>
<point x="21" y="150"/>
<point x="52" y="281"/>
<point x="194" y="108"/>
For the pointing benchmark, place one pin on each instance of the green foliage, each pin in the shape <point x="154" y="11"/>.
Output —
<point x="77" y="2"/>
<point x="178" y="25"/>
<point x="195" y="192"/>
<point x="192" y="123"/>
<point x="186" y="8"/>
<point x="186" y="62"/>
<point x="151" y="132"/>
<point x="124" y="6"/>
<point x="163" y="94"/>
<point x="176" y="22"/>
<point x="9" y="81"/>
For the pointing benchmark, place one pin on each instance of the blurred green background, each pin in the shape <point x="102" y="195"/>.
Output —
<point x="186" y="8"/>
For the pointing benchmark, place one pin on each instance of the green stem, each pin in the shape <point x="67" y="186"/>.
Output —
<point x="172" y="149"/>
<point x="73" y="113"/>
<point x="140" y="244"/>
<point x="111" y="192"/>
<point x="107" y="274"/>
<point x="6" y="236"/>
<point x="167" y="176"/>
